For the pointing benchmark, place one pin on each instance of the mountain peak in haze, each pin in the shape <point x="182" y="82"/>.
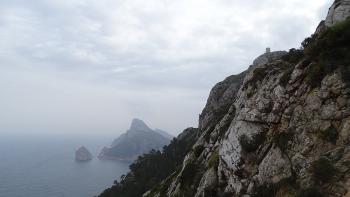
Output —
<point x="164" y="133"/>
<point x="138" y="125"/>
<point x="139" y="139"/>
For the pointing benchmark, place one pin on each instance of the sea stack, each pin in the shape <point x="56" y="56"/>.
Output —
<point x="83" y="154"/>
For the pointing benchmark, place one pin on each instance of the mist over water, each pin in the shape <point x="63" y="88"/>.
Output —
<point x="35" y="166"/>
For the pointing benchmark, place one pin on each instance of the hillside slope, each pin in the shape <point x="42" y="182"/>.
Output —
<point x="282" y="128"/>
<point x="287" y="133"/>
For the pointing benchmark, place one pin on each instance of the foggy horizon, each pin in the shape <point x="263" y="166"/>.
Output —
<point x="88" y="68"/>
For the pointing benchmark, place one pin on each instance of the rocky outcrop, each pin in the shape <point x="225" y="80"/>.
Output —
<point x="272" y="132"/>
<point x="139" y="139"/>
<point x="83" y="154"/>
<point x="339" y="11"/>
<point x="267" y="57"/>
<point x="293" y="121"/>
<point x="220" y="99"/>
<point x="223" y="94"/>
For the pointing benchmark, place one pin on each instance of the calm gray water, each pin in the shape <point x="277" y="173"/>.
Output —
<point x="45" y="167"/>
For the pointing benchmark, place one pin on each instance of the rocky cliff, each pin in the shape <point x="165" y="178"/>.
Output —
<point x="282" y="128"/>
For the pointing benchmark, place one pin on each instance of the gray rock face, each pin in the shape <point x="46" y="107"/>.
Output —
<point x="339" y="11"/>
<point x="259" y="133"/>
<point x="291" y="119"/>
<point x="83" y="154"/>
<point x="139" y="139"/>
<point x="219" y="101"/>
<point x="268" y="57"/>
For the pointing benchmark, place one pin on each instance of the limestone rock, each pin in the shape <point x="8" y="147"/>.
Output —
<point x="339" y="11"/>
<point x="268" y="57"/>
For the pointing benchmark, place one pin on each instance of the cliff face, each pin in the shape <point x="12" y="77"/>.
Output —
<point x="279" y="129"/>
<point x="339" y="11"/>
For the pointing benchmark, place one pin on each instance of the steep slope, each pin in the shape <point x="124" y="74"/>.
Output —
<point x="139" y="139"/>
<point x="149" y="169"/>
<point x="282" y="128"/>
<point x="284" y="132"/>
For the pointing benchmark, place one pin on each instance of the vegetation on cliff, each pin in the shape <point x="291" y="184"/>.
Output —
<point x="151" y="168"/>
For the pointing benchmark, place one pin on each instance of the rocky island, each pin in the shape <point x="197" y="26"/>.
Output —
<point x="83" y="154"/>
<point x="139" y="139"/>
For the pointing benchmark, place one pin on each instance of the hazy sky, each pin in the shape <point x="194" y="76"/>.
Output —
<point x="89" y="67"/>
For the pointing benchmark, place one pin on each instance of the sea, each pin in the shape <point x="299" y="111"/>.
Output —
<point x="44" y="166"/>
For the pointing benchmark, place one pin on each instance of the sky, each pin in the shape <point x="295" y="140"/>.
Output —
<point x="87" y="67"/>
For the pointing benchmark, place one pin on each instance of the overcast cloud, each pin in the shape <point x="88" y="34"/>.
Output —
<point x="89" y="67"/>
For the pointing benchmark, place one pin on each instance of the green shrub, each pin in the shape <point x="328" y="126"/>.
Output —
<point x="188" y="173"/>
<point x="281" y="140"/>
<point x="285" y="186"/>
<point x="286" y="191"/>
<point x="208" y="133"/>
<point x="346" y="74"/>
<point x="330" y="50"/>
<point x="311" y="192"/>
<point x="293" y="56"/>
<point x="251" y="144"/>
<point x="213" y="161"/>
<point x="330" y="134"/>
<point x="316" y="73"/>
<point x="264" y="191"/>
<point x="259" y="74"/>
<point x="323" y="170"/>
<point x="198" y="150"/>
<point x="286" y="77"/>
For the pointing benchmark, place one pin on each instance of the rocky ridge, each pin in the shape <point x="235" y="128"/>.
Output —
<point x="270" y="132"/>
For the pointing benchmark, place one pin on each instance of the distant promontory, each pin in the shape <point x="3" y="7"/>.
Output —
<point x="139" y="139"/>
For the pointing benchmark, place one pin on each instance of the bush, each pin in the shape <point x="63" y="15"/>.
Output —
<point x="207" y="135"/>
<point x="198" y="150"/>
<point x="286" y="191"/>
<point x="346" y="74"/>
<point x="188" y="173"/>
<point x="213" y="161"/>
<point x="281" y="140"/>
<point x="189" y="178"/>
<point x="286" y="77"/>
<point x="264" y="191"/>
<point x="258" y="75"/>
<point x="311" y="192"/>
<point x="323" y="170"/>
<point x="330" y="50"/>
<point x="316" y="73"/>
<point x="293" y="56"/>
<point x="253" y="143"/>
<point x="330" y="134"/>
